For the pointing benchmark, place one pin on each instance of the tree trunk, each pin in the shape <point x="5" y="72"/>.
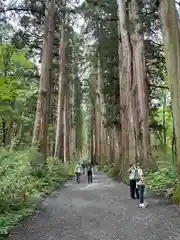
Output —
<point x="164" y="122"/>
<point x="20" y="134"/>
<point x="171" y="38"/>
<point x="52" y="114"/>
<point x="78" y="111"/>
<point x="59" y="126"/>
<point x="41" y="121"/>
<point x="100" y="115"/>
<point x="92" y="137"/>
<point x="128" y="145"/>
<point x="3" y="132"/>
<point x="95" y="136"/>
<point x="9" y="131"/>
<point x="72" y="126"/>
<point x="66" y="127"/>
<point x="139" y="78"/>
<point x="173" y="145"/>
<point x="13" y="136"/>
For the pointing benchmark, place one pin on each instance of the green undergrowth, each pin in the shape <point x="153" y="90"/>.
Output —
<point x="111" y="170"/>
<point x="24" y="180"/>
<point x="163" y="181"/>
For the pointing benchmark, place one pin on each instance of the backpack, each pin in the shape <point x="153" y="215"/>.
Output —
<point x="136" y="175"/>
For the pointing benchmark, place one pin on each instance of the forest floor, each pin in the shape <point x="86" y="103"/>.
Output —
<point x="99" y="211"/>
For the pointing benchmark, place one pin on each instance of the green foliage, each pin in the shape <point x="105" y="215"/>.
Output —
<point x="106" y="167"/>
<point x="161" y="124"/>
<point x="112" y="170"/>
<point x="163" y="159"/>
<point x="22" y="185"/>
<point x="17" y="90"/>
<point x="19" y="60"/>
<point x="161" y="181"/>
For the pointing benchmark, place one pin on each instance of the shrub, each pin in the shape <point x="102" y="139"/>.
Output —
<point x="162" y="180"/>
<point x="24" y="180"/>
<point x="106" y="167"/>
<point x="113" y="172"/>
<point x="111" y="169"/>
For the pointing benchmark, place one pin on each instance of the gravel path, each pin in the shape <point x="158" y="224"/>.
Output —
<point x="99" y="211"/>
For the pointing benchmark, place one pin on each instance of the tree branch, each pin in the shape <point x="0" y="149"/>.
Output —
<point x="39" y="10"/>
<point x="23" y="9"/>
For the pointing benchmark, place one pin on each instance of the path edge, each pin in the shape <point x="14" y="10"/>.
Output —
<point x="36" y="209"/>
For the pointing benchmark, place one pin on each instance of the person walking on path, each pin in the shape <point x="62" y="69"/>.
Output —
<point x="83" y="167"/>
<point x="132" y="181"/>
<point x="136" y="181"/>
<point x="89" y="173"/>
<point x="141" y="186"/>
<point x="78" y="172"/>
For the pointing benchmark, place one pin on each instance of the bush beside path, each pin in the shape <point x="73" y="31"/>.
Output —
<point x="25" y="179"/>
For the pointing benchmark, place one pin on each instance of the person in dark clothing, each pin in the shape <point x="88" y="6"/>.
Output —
<point x="83" y="167"/>
<point x="137" y="192"/>
<point x="89" y="173"/>
<point x="132" y="181"/>
<point x="137" y="180"/>
<point x="141" y="187"/>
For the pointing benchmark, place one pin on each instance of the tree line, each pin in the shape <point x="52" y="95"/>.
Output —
<point x="101" y="90"/>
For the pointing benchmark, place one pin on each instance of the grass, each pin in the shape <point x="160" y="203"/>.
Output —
<point x="24" y="181"/>
<point x="163" y="181"/>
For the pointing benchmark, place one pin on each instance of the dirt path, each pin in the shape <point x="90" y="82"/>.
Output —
<point x="99" y="211"/>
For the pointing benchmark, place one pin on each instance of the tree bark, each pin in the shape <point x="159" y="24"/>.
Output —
<point x="139" y="82"/>
<point x="164" y="122"/>
<point x="101" y="112"/>
<point x="66" y="127"/>
<point x="78" y="112"/>
<point x="128" y="144"/>
<point x="171" y="39"/>
<point x="41" y="121"/>
<point x="92" y="136"/>
<point x="4" y="132"/>
<point x="59" y="126"/>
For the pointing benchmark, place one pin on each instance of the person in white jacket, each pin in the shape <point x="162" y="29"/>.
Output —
<point x="78" y="170"/>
